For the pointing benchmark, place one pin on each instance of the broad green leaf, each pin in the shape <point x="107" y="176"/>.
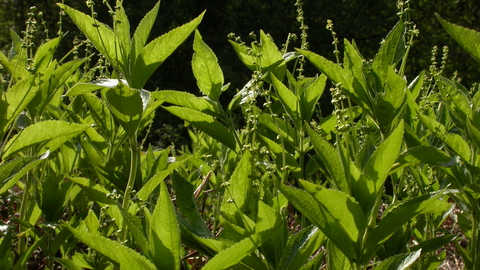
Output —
<point x="17" y="98"/>
<point x="207" y="124"/>
<point x="92" y="222"/>
<point x="35" y="134"/>
<point x="310" y="97"/>
<point x="377" y="169"/>
<point x="239" y="189"/>
<point x="120" y="254"/>
<point x="312" y="210"/>
<point x="457" y="101"/>
<point x="300" y="247"/>
<point x="164" y="235"/>
<point x="82" y="88"/>
<point x="127" y="105"/>
<point x="155" y="52"/>
<point x="6" y="259"/>
<point x="206" y="70"/>
<point x="343" y="208"/>
<point x="279" y="153"/>
<point x="95" y="191"/>
<point x="400" y="261"/>
<point x="288" y="99"/>
<point x="333" y="71"/>
<point x="271" y="58"/>
<point x="153" y="182"/>
<point x="336" y="260"/>
<point x="44" y="54"/>
<point x="391" y="51"/>
<point x="121" y="28"/>
<point x="69" y="264"/>
<point x="234" y="254"/>
<point x="388" y="105"/>
<point x="188" y="100"/>
<point x="454" y="141"/>
<point x="354" y="67"/>
<point x="100" y="34"/>
<point x="473" y="131"/>
<point x="424" y="155"/>
<point x="242" y="52"/>
<point x="398" y="215"/>
<point x="331" y="160"/>
<point x="13" y="170"/>
<point x="51" y="84"/>
<point x="467" y="38"/>
<point x="134" y="225"/>
<point x="15" y="62"/>
<point x="280" y="127"/>
<point x="184" y="192"/>
<point x="338" y="74"/>
<point x="142" y="32"/>
<point x="434" y="244"/>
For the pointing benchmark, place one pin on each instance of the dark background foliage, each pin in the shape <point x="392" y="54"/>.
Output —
<point x="365" y="21"/>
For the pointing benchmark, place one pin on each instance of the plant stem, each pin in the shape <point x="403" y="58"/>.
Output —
<point x="134" y="159"/>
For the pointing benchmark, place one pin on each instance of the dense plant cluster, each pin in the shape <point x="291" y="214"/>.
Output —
<point x="386" y="181"/>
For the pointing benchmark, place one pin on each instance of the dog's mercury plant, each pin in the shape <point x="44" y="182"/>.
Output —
<point x="368" y="186"/>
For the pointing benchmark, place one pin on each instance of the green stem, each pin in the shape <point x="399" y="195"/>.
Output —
<point x="23" y="212"/>
<point x="134" y="159"/>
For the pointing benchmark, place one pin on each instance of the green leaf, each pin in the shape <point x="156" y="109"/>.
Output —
<point x="310" y="97"/>
<point x="400" y="261"/>
<point x="154" y="53"/>
<point x="120" y="254"/>
<point x="22" y="261"/>
<point x="455" y="142"/>
<point x="239" y="187"/>
<point x="321" y="218"/>
<point x="134" y="225"/>
<point x="127" y="105"/>
<point x="339" y="205"/>
<point x="95" y="191"/>
<point x="338" y="74"/>
<point x="164" y="236"/>
<point x="388" y="106"/>
<point x="331" y="160"/>
<point x="35" y="134"/>
<point x="336" y="259"/>
<point x="233" y="255"/>
<point x="271" y="58"/>
<point x="153" y="182"/>
<point x="391" y="51"/>
<point x="44" y="54"/>
<point x="207" y="124"/>
<point x="289" y="100"/>
<point x="101" y="35"/>
<point x="300" y="247"/>
<point x="424" y="155"/>
<point x="17" y="98"/>
<point x="467" y="38"/>
<point x="184" y="192"/>
<point x="434" y="244"/>
<point x="354" y="67"/>
<point x="457" y="101"/>
<point x="121" y="27"/>
<point x="377" y="169"/>
<point x="82" y="88"/>
<point x="12" y="171"/>
<point x="188" y="100"/>
<point x="206" y="70"/>
<point x="397" y="216"/>
<point x="142" y="32"/>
